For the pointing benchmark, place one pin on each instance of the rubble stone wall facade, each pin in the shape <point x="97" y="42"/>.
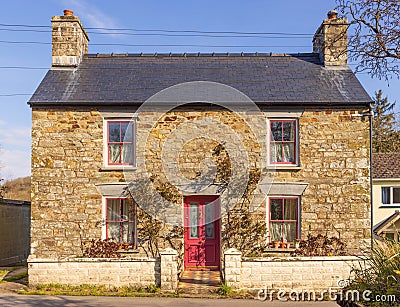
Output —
<point x="67" y="164"/>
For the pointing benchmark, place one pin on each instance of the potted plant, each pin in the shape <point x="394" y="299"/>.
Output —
<point x="276" y="244"/>
<point x="297" y="243"/>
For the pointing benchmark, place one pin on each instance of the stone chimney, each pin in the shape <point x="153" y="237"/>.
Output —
<point x="330" y="40"/>
<point x="69" y="40"/>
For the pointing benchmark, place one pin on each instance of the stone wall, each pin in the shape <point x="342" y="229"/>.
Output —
<point x="290" y="273"/>
<point x="330" y="41"/>
<point x="334" y="159"/>
<point x="14" y="231"/>
<point x="111" y="272"/>
<point x="69" y="41"/>
<point x="67" y="164"/>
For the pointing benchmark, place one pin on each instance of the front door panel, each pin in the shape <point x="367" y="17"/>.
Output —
<point x="202" y="233"/>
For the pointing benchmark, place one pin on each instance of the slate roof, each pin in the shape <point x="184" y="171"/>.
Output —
<point x="272" y="80"/>
<point x="386" y="165"/>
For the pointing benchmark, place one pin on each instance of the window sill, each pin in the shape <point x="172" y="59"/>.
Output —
<point x="394" y="206"/>
<point x="117" y="168"/>
<point x="284" y="167"/>
<point x="129" y="251"/>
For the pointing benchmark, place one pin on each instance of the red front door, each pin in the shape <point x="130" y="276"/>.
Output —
<point x="202" y="232"/>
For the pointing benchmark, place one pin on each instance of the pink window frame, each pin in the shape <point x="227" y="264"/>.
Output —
<point x="133" y="127"/>
<point x="283" y="211"/>
<point x="120" y="221"/>
<point x="272" y="141"/>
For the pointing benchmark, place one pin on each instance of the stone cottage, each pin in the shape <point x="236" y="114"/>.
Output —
<point x="160" y="151"/>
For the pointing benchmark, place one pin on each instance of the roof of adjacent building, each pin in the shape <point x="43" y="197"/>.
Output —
<point x="272" y="80"/>
<point x="386" y="165"/>
<point x="383" y="225"/>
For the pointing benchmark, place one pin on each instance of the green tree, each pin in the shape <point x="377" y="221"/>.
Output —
<point x="385" y="136"/>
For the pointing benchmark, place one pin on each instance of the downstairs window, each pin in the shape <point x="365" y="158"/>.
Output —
<point x="283" y="219"/>
<point x="121" y="220"/>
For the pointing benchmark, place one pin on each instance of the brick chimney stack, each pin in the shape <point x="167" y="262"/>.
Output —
<point x="69" y="40"/>
<point x="330" y="41"/>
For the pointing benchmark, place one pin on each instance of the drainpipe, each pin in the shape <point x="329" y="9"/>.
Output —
<point x="371" y="117"/>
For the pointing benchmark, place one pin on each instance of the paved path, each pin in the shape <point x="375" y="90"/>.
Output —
<point x="97" y="301"/>
<point x="202" y="282"/>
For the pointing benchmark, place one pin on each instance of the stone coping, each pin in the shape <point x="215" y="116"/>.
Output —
<point x="313" y="258"/>
<point x="60" y="260"/>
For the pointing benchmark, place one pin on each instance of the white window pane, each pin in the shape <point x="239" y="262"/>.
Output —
<point x="288" y="131"/>
<point x="290" y="209"/>
<point x="276" y="231"/>
<point x="113" y="232"/>
<point x="114" y="132"/>
<point x="127" y="154"/>
<point x="288" y="149"/>
<point x="127" y="132"/>
<point x="209" y="211"/>
<point x="289" y="231"/>
<point x="114" y="153"/>
<point x="276" y="152"/>
<point x="113" y="211"/>
<point x="194" y="217"/>
<point x="276" y="209"/>
<point x="276" y="131"/>
<point x="127" y="232"/>
<point x="385" y="195"/>
<point x="396" y="195"/>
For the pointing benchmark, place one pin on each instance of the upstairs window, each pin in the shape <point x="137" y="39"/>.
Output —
<point x="283" y="142"/>
<point x="121" y="220"/>
<point x="120" y="142"/>
<point x="390" y="195"/>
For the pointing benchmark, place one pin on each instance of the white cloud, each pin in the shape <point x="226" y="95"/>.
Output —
<point x="93" y="16"/>
<point x="10" y="137"/>
<point x="15" y="164"/>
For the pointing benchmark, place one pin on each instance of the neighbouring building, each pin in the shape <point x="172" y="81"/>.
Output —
<point x="386" y="194"/>
<point x="15" y="226"/>
<point x="109" y="126"/>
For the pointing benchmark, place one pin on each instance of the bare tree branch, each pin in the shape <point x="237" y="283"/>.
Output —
<point x="375" y="35"/>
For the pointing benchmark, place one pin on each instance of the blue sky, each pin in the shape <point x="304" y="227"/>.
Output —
<point x="290" y="16"/>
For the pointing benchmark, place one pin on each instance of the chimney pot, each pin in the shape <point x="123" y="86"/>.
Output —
<point x="68" y="13"/>
<point x="332" y="14"/>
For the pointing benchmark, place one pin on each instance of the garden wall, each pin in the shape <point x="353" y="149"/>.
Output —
<point x="111" y="272"/>
<point x="286" y="273"/>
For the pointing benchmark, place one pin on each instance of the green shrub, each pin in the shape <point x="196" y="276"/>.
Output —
<point x="224" y="290"/>
<point x="379" y="273"/>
